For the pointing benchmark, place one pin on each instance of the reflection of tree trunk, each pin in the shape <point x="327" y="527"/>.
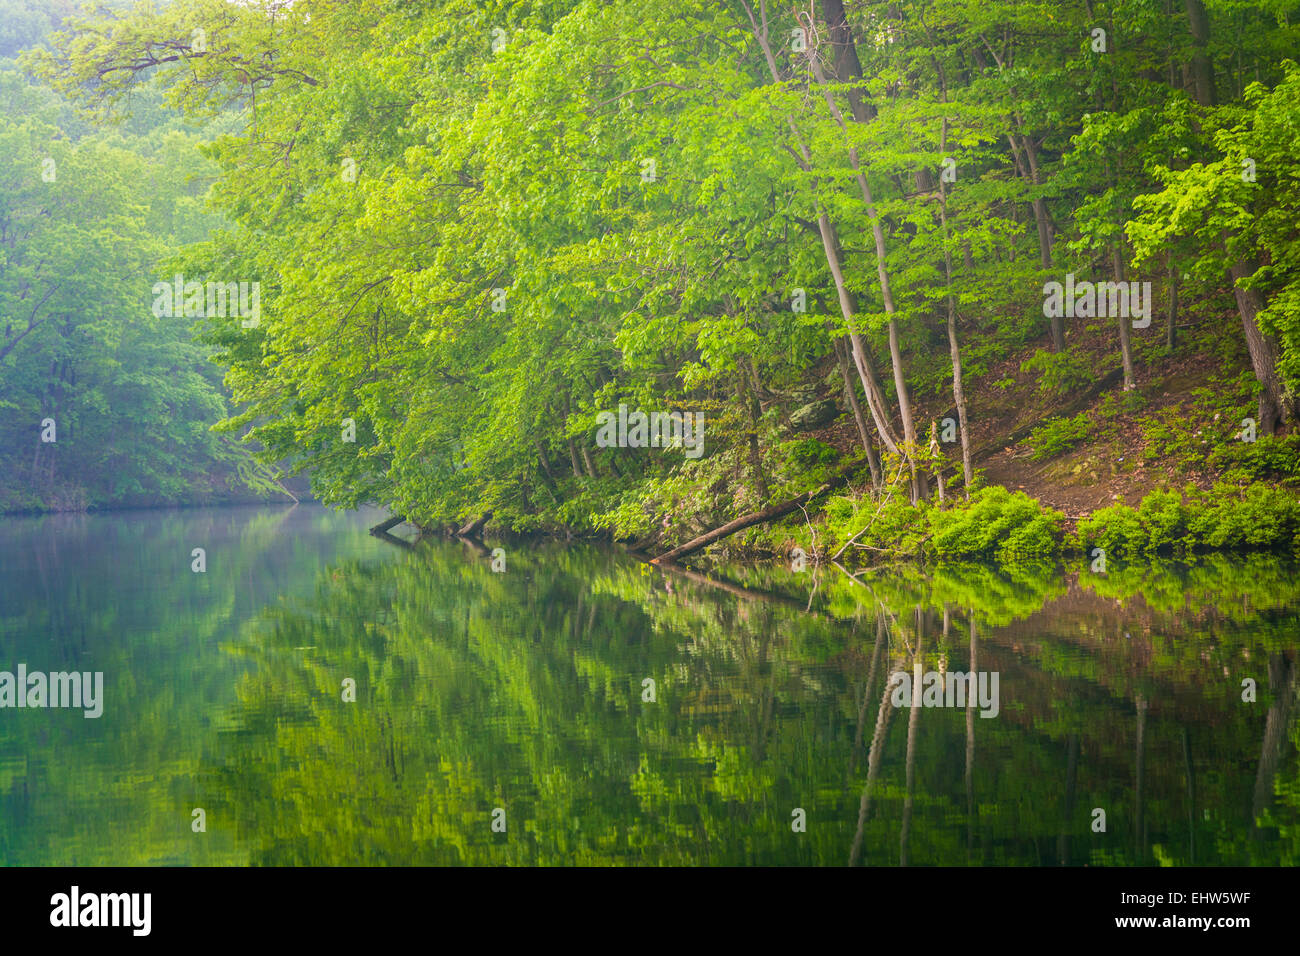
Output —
<point x="866" y="695"/>
<point x="1067" y="820"/>
<point x="1191" y="797"/>
<point x="970" y="751"/>
<point x="913" y="720"/>
<point x="873" y="766"/>
<point x="1281" y="681"/>
<point x="1139" y="847"/>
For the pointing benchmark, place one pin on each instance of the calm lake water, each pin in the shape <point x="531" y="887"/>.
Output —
<point x="771" y="738"/>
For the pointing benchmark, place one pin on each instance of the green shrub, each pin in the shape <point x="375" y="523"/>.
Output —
<point x="1268" y="457"/>
<point x="1116" y="530"/>
<point x="1057" y="435"/>
<point x="1261" y="517"/>
<point x="1164" y="518"/>
<point x="996" y="523"/>
<point x="1223" y="519"/>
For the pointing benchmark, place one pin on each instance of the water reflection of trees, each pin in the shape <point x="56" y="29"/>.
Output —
<point x="523" y="690"/>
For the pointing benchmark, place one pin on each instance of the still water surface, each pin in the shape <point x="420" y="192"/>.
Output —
<point x="771" y="737"/>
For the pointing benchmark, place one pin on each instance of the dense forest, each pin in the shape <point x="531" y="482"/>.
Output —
<point x="990" y="279"/>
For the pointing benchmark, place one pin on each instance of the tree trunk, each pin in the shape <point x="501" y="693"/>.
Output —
<point x="390" y="522"/>
<point x="851" y="396"/>
<point x="958" y="392"/>
<point x="882" y="272"/>
<point x="1274" y="405"/>
<point x="770" y="513"/>
<point x="1031" y="173"/>
<point x="1171" y="321"/>
<point x="748" y="388"/>
<point x="475" y="526"/>
<point x="1201" y="67"/>
<point x="1125" y="345"/>
<point x="830" y="247"/>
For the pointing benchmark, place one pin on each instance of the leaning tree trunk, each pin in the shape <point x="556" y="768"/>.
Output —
<point x="882" y="272"/>
<point x="954" y="349"/>
<point x="850" y="394"/>
<point x="830" y="247"/>
<point x="1274" y="404"/>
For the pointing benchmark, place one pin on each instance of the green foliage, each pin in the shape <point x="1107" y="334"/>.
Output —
<point x="1168" y="522"/>
<point x="1060" y="373"/>
<point x="1057" y="435"/>
<point x="996" y="523"/>
<point x="1268" y="458"/>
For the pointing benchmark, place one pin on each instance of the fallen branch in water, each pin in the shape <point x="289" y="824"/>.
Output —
<point x="384" y="526"/>
<point x="758" y="517"/>
<point x="474" y="527"/>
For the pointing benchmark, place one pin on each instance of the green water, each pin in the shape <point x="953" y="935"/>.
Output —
<point x="524" y="691"/>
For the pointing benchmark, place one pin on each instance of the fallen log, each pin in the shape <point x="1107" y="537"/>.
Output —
<point x="758" y="517"/>
<point x="475" y="526"/>
<point x="385" y="525"/>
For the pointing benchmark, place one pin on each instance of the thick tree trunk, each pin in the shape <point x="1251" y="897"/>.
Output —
<point x="1274" y="404"/>
<point x="1202" y="67"/>
<point x="388" y="523"/>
